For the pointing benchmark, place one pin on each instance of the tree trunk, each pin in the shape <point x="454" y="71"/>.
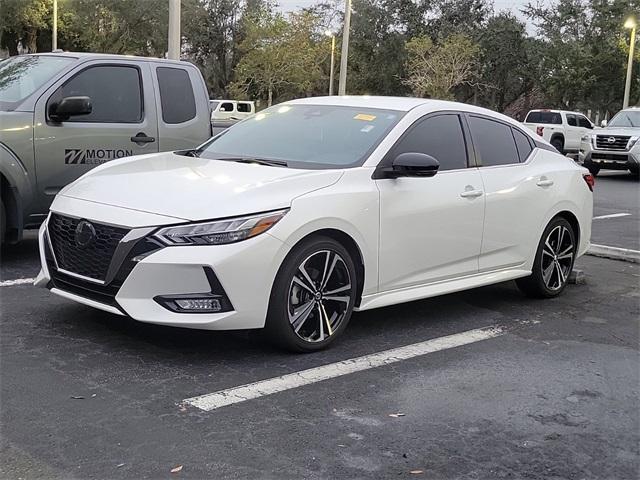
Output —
<point x="270" y="99"/>
<point x="32" y="37"/>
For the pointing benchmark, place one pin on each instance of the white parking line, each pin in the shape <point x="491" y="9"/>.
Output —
<point x="17" y="281"/>
<point x="613" y="215"/>
<point x="211" y="401"/>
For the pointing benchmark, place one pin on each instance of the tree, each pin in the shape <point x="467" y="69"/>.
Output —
<point x="280" y="58"/>
<point x="22" y="21"/>
<point x="435" y="69"/>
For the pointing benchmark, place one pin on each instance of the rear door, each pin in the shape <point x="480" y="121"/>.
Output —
<point x="183" y="107"/>
<point x="516" y="194"/>
<point x="573" y="132"/>
<point x="122" y="123"/>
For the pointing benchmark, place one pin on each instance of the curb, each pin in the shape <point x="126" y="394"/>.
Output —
<point x="616" y="253"/>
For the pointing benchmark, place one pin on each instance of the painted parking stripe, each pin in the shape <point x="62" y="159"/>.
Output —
<point x="17" y="281"/>
<point x="613" y="215"/>
<point x="262" y="388"/>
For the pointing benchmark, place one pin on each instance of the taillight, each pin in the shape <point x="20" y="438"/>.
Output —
<point x="590" y="179"/>
<point x="539" y="130"/>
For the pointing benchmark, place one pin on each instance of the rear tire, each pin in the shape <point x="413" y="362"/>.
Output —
<point x="553" y="262"/>
<point x="3" y="222"/>
<point x="312" y="297"/>
<point x="558" y="144"/>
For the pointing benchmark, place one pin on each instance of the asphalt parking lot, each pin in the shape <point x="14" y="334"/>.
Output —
<point x="553" y="394"/>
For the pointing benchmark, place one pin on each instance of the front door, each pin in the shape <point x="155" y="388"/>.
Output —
<point x="122" y="123"/>
<point x="431" y="228"/>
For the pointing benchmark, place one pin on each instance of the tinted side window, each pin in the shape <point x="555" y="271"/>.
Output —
<point x="115" y="92"/>
<point x="176" y="95"/>
<point x="441" y="137"/>
<point x="226" y="107"/>
<point x="244" y="107"/>
<point x="583" y="122"/>
<point x="571" y="120"/>
<point x="494" y="141"/>
<point x="522" y="143"/>
<point x="544" y="117"/>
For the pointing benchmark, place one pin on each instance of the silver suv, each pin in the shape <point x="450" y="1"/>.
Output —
<point x="614" y="147"/>
<point x="62" y="114"/>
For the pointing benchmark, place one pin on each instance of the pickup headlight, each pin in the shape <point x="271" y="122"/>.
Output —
<point x="219" y="232"/>
<point x="632" y="142"/>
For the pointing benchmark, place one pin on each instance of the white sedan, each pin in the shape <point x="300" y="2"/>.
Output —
<point x="314" y="208"/>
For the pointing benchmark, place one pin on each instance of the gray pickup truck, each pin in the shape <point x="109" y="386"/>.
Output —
<point x="62" y="114"/>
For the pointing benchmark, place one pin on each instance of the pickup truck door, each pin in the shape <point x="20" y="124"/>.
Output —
<point x="122" y="123"/>
<point x="573" y="132"/>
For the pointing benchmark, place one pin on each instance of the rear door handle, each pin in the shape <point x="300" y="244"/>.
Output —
<point x="544" y="182"/>
<point x="142" y="138"/>
<point x="471" y="193"/>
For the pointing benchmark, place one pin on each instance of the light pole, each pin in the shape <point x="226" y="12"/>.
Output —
<point x="54" y="33"/>
<point x="342" y="84"/>
<point x="174" y="30"/>
<point x="329" y="33"/>
<point x="630" y="23"/>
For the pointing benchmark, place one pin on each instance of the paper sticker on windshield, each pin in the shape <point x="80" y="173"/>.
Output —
<point x="367" y="128"/>
<point x="365" y="117"/>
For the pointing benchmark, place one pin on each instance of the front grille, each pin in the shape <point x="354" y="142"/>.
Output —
<point x="604" y="142"/>
<point x="91" y="261"/>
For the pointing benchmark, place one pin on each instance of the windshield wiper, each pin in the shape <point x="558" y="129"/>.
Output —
<point x="260" y="161"/>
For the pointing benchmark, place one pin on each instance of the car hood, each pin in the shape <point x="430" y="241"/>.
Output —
<point x="633" y="132"/>
<point x="194" y="189"/>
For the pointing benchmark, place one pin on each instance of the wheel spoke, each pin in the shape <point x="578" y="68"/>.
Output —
<point x="560" y="238"/>
<point x="568" y="255"/>
<point x="566" y="250"/>
<point x="324" y="270"/>
<point x="561" y="275"/>
<point x="326" y="319"/>
<point x="320" y="323"/>
<point x="338" y="299"/>
<point x="306" y="276"/>
<point x="338" y="290"/>
<point x="546" y="252"/>
<point x="548" y="245"/>
<point x="331" y="269"/>
<point x="547" y="273"/>
<point x="300" y="315"/>
<point x="297" y="281"/>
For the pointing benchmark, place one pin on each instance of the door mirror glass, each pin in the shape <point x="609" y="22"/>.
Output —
<point x="413" y="164"/>
<point x="603" y="123"/>
<point x="69" y="107"/>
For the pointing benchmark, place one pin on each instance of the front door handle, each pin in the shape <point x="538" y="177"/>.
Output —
<point x="471" y="193"/>
<point x="544" y="182"/>
<point x="142" y="138"/>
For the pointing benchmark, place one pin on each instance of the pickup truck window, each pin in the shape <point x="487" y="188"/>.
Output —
<point x="544" y="117"/>
<point x="21" y="76"/>
<point x="584" y="122"/>
<point x="244" y="107"/>
<point x="115" y="92"/>
<point x="176" y="95"/>
<point x="226" y="107"/>
<point x="571" y="120"/>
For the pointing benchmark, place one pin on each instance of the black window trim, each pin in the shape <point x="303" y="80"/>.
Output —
<point x="93" y="65"/>
<point x="387" y="160"/>
<point x="195" y="102"/>
<point x="533" y="143"/>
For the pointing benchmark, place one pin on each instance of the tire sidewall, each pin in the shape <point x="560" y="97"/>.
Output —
<point x="277" y="324"/>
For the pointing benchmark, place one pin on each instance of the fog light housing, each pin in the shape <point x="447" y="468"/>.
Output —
<point x="195" y="303"/>
<point x="199" y="304"/>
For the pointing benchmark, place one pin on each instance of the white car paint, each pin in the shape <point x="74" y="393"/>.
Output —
<point x="417" y="237"/>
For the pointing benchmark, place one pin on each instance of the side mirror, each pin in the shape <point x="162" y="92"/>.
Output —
<point x="69" y="107"/>
<point x="413" y="164"/>
<point x="603" y="123"/>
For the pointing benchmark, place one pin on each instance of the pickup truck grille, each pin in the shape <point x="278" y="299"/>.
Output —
<point x="612" y="142"/>
<point x="91" y="260"/>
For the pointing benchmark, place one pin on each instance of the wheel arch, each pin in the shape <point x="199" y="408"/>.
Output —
<point x="557" y="136"/>
<point x="348" y="242"/>
<point x="12" y="204"/>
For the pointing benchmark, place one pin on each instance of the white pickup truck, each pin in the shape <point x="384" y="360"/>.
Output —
<point x="561" y="128"/>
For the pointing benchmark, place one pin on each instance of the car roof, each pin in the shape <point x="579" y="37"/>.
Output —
<point x="403" y="104"/>
<point x="108" y="56"/>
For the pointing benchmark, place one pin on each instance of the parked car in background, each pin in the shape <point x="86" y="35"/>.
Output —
<point x="560" y="128"/>
<point x="231" y="109"/>
<point x="614" y="147"/>
<point x="62" y="114"/>
<point x="317" y="207"/>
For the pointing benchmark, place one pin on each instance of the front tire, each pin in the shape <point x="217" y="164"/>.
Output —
<point x="312" y="297"/>
<point x="553" y="262"/>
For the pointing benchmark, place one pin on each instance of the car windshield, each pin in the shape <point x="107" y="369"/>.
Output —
<point x="21" y="76"/>
<point x="305" y="136"/>
<point x="626" y="118"/>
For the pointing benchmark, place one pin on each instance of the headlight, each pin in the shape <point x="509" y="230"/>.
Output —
<point x="220" y="232"/>
<point x="632" y="142"/>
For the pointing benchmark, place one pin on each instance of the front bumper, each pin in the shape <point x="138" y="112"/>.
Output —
<point x="245" y="270"/>
<point x="609" y="159"/>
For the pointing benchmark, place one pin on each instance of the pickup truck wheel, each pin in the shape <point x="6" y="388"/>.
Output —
<point x="558" y="144"/>
<point x="593" y="169"/>
<point x="3" y="222"/>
